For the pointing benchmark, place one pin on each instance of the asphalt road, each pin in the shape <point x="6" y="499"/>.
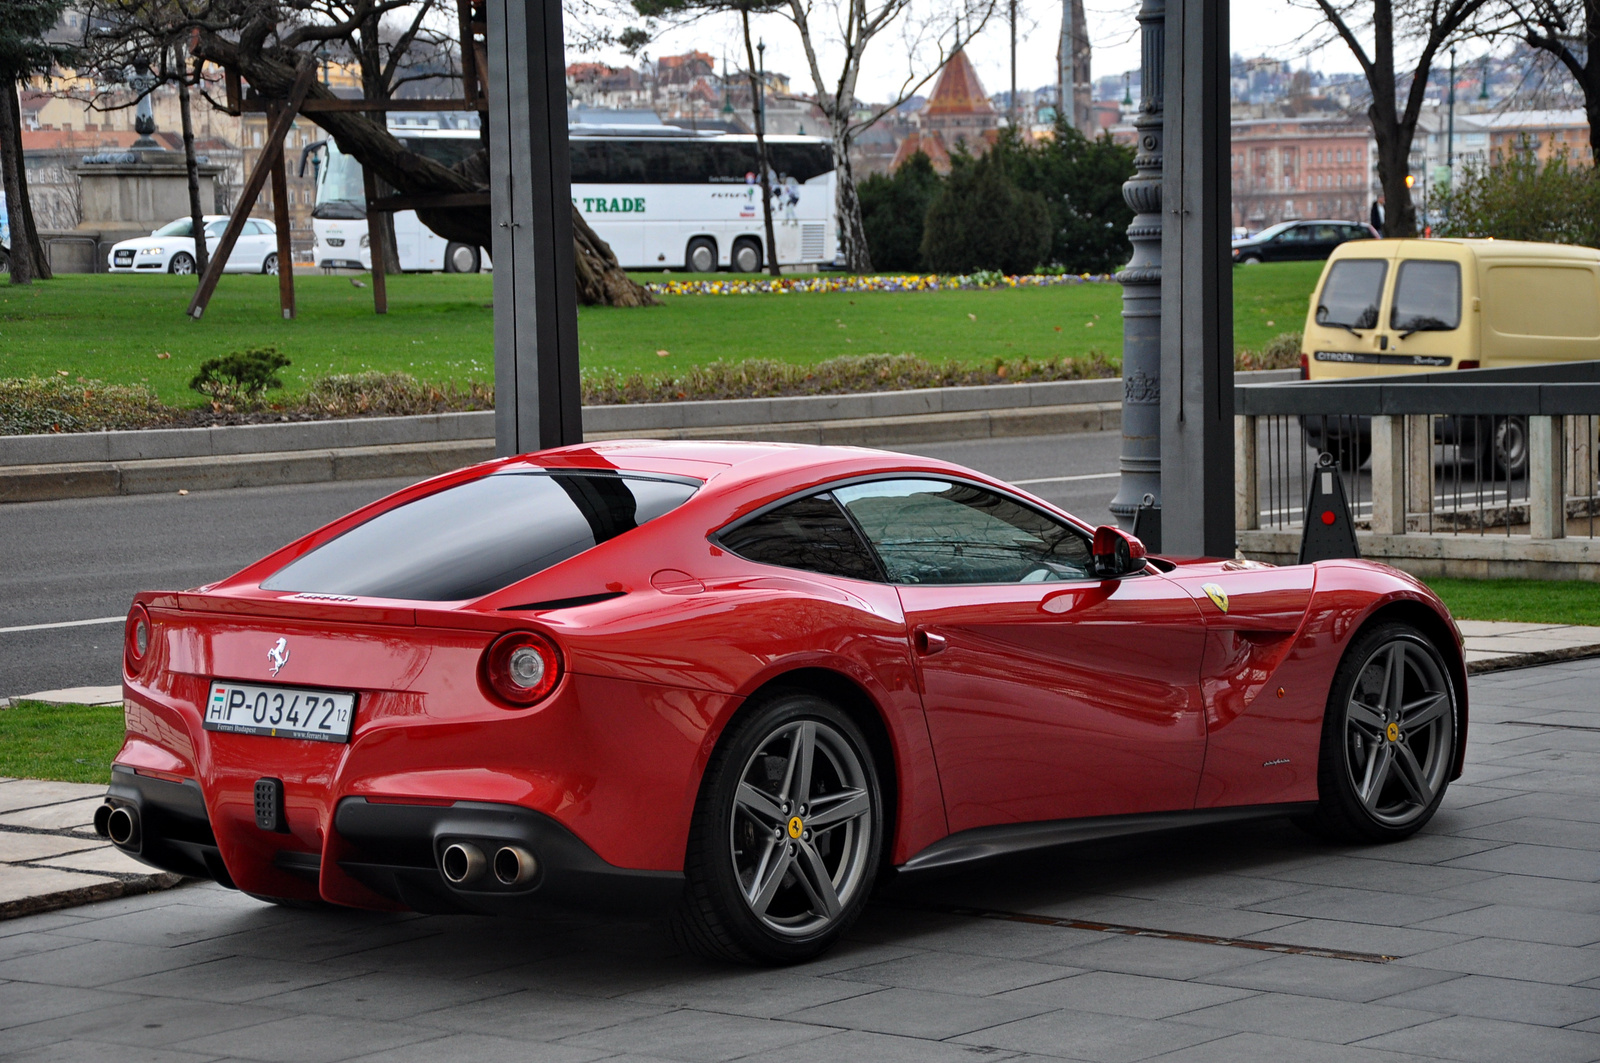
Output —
<point x="85" y="559"/>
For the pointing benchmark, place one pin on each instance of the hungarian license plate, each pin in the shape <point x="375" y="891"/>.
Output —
<point x="280" y="712"/>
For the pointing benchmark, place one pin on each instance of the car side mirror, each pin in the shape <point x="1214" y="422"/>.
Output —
<point x="1116" y="553"/>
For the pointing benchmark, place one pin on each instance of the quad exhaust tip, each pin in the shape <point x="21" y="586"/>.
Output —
<point x="462" y="863"/>
<point x="514" y="866"/>
<point x="122" y="827"/>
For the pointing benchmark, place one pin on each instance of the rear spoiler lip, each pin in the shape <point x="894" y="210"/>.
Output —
<point x="252" y="603"/>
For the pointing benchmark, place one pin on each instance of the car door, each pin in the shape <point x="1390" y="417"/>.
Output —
<point x="1292" y="245"/>
<point x="1049" y="693"/>
<point x="214" y="238"/>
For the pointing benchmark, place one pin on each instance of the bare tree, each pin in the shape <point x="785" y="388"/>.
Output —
<point x="1570" y="31"/>
<point x="1432" y="24"/>
<point x="24" y="52"/>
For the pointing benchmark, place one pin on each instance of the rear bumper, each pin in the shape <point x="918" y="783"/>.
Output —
<point x="394" y="851"/>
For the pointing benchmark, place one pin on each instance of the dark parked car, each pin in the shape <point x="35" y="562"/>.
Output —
<point x="1304" y="241"/>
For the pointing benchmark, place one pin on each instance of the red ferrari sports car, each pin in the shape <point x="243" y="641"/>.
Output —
<point x="744" y="682"/>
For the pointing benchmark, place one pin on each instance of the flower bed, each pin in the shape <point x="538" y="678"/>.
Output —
<point x="902" y="283"/>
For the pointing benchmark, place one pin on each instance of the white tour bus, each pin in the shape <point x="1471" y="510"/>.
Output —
<point x="339" y="215"/>
<point x="662" y="197"/>
<point x="669" y="198"/>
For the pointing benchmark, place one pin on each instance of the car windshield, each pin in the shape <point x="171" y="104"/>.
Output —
<point x="1427" y="297"/>
<point x="181" y="227"/>
<point x="1351" y="294"/>
<point x="476" y="537"/>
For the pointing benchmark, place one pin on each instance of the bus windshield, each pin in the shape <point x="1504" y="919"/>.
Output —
<point x="340" y="187"/>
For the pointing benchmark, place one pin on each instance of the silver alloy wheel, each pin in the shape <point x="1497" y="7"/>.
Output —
<point x="269" y="265"/>
<point x="181" y="264"/>
<point x="702" y="258"/>
<point x="746" y="258"/>
<point x="1399" y="732"/>
<point x="801" y="829"/>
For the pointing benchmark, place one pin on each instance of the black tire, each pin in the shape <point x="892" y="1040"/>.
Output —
<point x="460" y="258"/>
<point x="269" y="265"/>
<point x="701" y="255"/>
<point x="746" y="256"/>
<point x="182" y="264"/>
<point x="752" y="892"/>
<point x="1384" y="767"/>
<point x="1249" y="260"/>
<point x="1502" y="450"/>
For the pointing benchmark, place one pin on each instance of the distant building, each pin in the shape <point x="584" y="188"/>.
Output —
<point x="958" y="112"/>
<point x="1289" y="168"/>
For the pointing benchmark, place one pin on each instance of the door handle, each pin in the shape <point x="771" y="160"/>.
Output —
<point x="929" y="642"/>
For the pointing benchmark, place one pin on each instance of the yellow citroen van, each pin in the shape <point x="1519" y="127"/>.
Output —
<point x="1409" y="306"/>
<point x="1421" y="306"/>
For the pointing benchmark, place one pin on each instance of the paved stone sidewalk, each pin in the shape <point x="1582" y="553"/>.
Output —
<point x="1493" y="644"/>
<point x="1491" y="917"/>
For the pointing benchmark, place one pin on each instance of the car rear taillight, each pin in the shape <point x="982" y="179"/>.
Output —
<point x="521" y="667"/>
<point x="1305" y="367"/>
<point x="1466" y="364"/>
<point x="136" y="639"/>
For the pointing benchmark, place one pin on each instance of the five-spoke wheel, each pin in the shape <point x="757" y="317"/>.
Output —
<point x="785" y="843"/>
<point x="1389" y="737"/>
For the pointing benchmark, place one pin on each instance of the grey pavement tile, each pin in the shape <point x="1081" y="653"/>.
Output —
<point x="16" y="846"/>
<point x="92" y="964"/>
<point x="1521" y="924"/>
<point x="78" y="1051"/>
<point x="44" y="921"/>
<point x="1308" y="1018"/>
<point x="1463" y="1037"/>
<point x="758" y="994"/>
<point x="855" y="952"/>
<point x="1531" y="892"/>
<point x="1136" y="996"/>
<point x="383" y="995"/>
<point x="533" y="1016"/>
<point x="1534" y="961"/>
<point x="1089" y="1036"/>
<point x="1424" y="848"/>
<point x="1542" y="830"/>
<point x="1262" y="1048"/>
<point x="1173" y="916"/>
<point x="918" y="1013"/>
<point x="1511" y="999"/>
<point x="1362" y="905"/>
<point x="33" y="793"/>
<point x="1316" y="976"/>
<point x="147" y="1021"/>
<point x="20" y="882"/>
<point x="482" y="1048"/>
<point x="1156" y="957"/>
<point x="877" y="1048"/>
<point x="232" y="981"/>
<point x="55" y="817"/>
<point x="317" y="937"/>
<point x="1214" y="891"/>
<point x="452" y="955"/>
<point x="307" y="1039"/>
<point x="1566" y="782"/>
<point x="154" y="923"/>
<point x="956" y="973"/>
<point x="984" y="937"/>
<point x="1384" y="876"/>
<point x="698" y="1036"/>
<point x="25" y="1002"/>
<point x="1375" y="938"/>
<point x="596" y="974"/>
<point x="1546" y="861"/>
<point x="30" y="944"/>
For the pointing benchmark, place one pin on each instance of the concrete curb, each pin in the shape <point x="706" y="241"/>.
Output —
<point x="101" y="891"/>
<point x="1530" y="660"/>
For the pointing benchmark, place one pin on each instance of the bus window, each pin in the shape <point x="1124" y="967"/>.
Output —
<point x="589" y="162"/>
<point x="801" y="161"/>
<point x="341" y="188"/>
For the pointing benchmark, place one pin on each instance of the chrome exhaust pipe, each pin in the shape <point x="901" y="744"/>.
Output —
<point x="102" y="814"/>
<point x="122" y="827"/>
<point x="462" y="863"/>
<point x="514" y="866"/>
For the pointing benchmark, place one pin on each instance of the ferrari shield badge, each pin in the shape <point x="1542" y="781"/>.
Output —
<point x="1218" y="596"/>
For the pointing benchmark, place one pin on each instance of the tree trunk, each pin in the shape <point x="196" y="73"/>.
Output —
<point x="852" y="232"/>
<point x="10" y="163"/>
<point x="271" y="71"/>
<point x="19" y="207"/>
<point x="197" y="214"/>
<point x="758" y="111"/>
<point x="1394" y="165"/>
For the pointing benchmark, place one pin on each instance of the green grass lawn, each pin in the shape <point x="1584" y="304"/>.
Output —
<point x="1528" y="601"/>
<point x="440" y="326"/>
<point x="68" y="743"/>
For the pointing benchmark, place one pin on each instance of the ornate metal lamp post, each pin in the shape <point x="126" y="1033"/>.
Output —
<point x="144" y="113"/>
<point x="1140" y="462"/>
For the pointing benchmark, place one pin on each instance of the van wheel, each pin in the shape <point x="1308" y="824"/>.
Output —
<point x="702" y="255"/>
<point x="460" y="258"/>
<point x="747" y="256"/>
<point x="1505" y="450"/>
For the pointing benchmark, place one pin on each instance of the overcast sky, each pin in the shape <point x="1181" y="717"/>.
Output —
<point x="1260" y="27"/>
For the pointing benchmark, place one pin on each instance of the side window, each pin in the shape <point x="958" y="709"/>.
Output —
<point x="1427" y="297"/>
<point x="215" y="228"/>
<point x="589" y="162"/>
<point x="812" y="534"/>
<point x="935" y="531"/>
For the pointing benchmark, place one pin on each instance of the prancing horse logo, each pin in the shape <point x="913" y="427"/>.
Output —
<point x="279" y="655"/>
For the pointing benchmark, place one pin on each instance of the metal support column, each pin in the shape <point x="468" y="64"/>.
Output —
<point x="1197" y="286"/>
<point x="537" y="395"/>
<point x="1140" y="462"/>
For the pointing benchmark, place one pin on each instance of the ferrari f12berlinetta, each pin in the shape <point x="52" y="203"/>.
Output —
<point x="744" y="682"/>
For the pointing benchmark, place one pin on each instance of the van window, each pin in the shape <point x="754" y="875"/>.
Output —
<point x="1427" y="297"/>
<point x="1351" y="294"/>
<point x="1542" y="301"/>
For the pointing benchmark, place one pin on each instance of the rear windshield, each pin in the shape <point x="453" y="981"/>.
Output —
<point x="1427" y="297"/>
<point x="479" y="536"/>
<point x="1351" y="295"/>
